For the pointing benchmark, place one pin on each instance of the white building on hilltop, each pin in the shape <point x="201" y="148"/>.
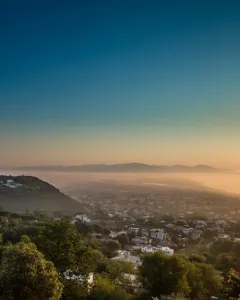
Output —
<point x="12" y="184"/>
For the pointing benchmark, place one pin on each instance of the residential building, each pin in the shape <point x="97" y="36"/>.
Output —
<point x="157" y="234"/>
<point x="126" y="256"/>
<point x="81" y="218"/>
<point x="133" y="230"/>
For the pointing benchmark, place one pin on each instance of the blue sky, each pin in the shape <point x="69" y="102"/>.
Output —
<point x="134" y="79"/>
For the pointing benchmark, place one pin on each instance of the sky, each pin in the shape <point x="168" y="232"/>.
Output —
<point x="119" y="81"/>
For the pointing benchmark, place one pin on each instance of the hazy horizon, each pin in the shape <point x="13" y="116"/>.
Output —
<point x="224" y="182"/>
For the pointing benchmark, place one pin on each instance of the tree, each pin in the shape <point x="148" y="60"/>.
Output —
<point x="25" y="239"/>
<point x="26" y="275"/>
<point x="104" y="289"/>
<point x="195" y="281"/>
<point x="163" y="275"/>
<point x="116" y="269"/>
<point x="110" y="248"/>
<point x="88" y="260"/>
<point x="232" y="285"/>
<point x="74" y="290"/>
<point x="123" y="239"/>
<point x="197" y="258"/>
<point x="211" y="279"/>
<point x="59" y="242"/>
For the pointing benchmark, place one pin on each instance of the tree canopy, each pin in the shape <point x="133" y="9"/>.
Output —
<point x="26" y="275"/>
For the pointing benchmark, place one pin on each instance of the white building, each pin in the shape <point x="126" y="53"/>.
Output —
<point x="126" y="256"/>
<point x="141" y="240"/>
<point x="167" y="250"/>
<point x="10" y="183"/>
<point x="221" y="223"/>
<point x="236" y="240"/>
<point x="224" y="236"/>
<point x="70" y="275"/>
<point x="82" y="218"/>
<point x="201" y="224"/>
<point x="149" y="249"/>
<point x="114" y="234"/>
<point x="164" y="250"/>
<point x="133" y="229"/>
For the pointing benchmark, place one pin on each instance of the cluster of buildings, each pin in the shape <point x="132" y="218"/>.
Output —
<point x="10" y="183"/>
<point x="136" y="200"/>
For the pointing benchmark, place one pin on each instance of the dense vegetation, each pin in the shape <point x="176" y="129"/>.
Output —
<point x="35" y="258"/>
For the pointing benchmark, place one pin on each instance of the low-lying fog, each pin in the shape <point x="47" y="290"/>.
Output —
<point x="228" y="182"/>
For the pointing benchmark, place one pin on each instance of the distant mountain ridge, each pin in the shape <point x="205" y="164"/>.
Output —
<point x="21" y="193"/>
<point x="125" y="167"/>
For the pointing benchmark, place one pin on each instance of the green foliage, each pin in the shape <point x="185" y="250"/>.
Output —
<point x="87" y="260"/>
<point x="197" y="258"/>
<point x="232" y="285"/>
<point x="203" y="280"/>
<point x="163" y="275"/>
<point x="226" y="255"/>
<point x="104" y="289"/>
<point x="60" y="242"/>
<point x="110" y="248"/>
<point x="74" y="290"/>
<point x="25" y="239"/>
<point x="123" y="239"/>
<point x="26" y="275"/>
<point x="116" y="269"/>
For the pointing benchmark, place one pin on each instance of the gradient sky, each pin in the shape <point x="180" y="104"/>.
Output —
<point x="119" y="81"/>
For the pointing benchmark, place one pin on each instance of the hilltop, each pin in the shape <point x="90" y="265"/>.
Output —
<point x="126" y="167"/>
<point x="19" y="193"/>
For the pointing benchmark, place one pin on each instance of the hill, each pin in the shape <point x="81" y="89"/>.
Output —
<point x="18" y="193"/>
<point x="127" y="167"/>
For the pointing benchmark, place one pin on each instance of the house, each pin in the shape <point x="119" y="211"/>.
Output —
<point x="236" y="240"/>
<point x="70" y="275"/>
<point x="32" y="222"/>
<point x="141" y="240"/>
<point x="167" y="250"/>
<point x="164" y="250"/>
<point x="221" y="223"/>
<point x="10" y="183"/>
<point x="170" y="226"/>
<point x="201" y="224"/>
<point x="157" y="234"/>
<point x="81" y="218"/>
<point x="114" y="234"/>
<point x="126" y="256"/>
<point x="148" y="249"/>
<point x="133" y="230"/>
<point x="224" y="236"/>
